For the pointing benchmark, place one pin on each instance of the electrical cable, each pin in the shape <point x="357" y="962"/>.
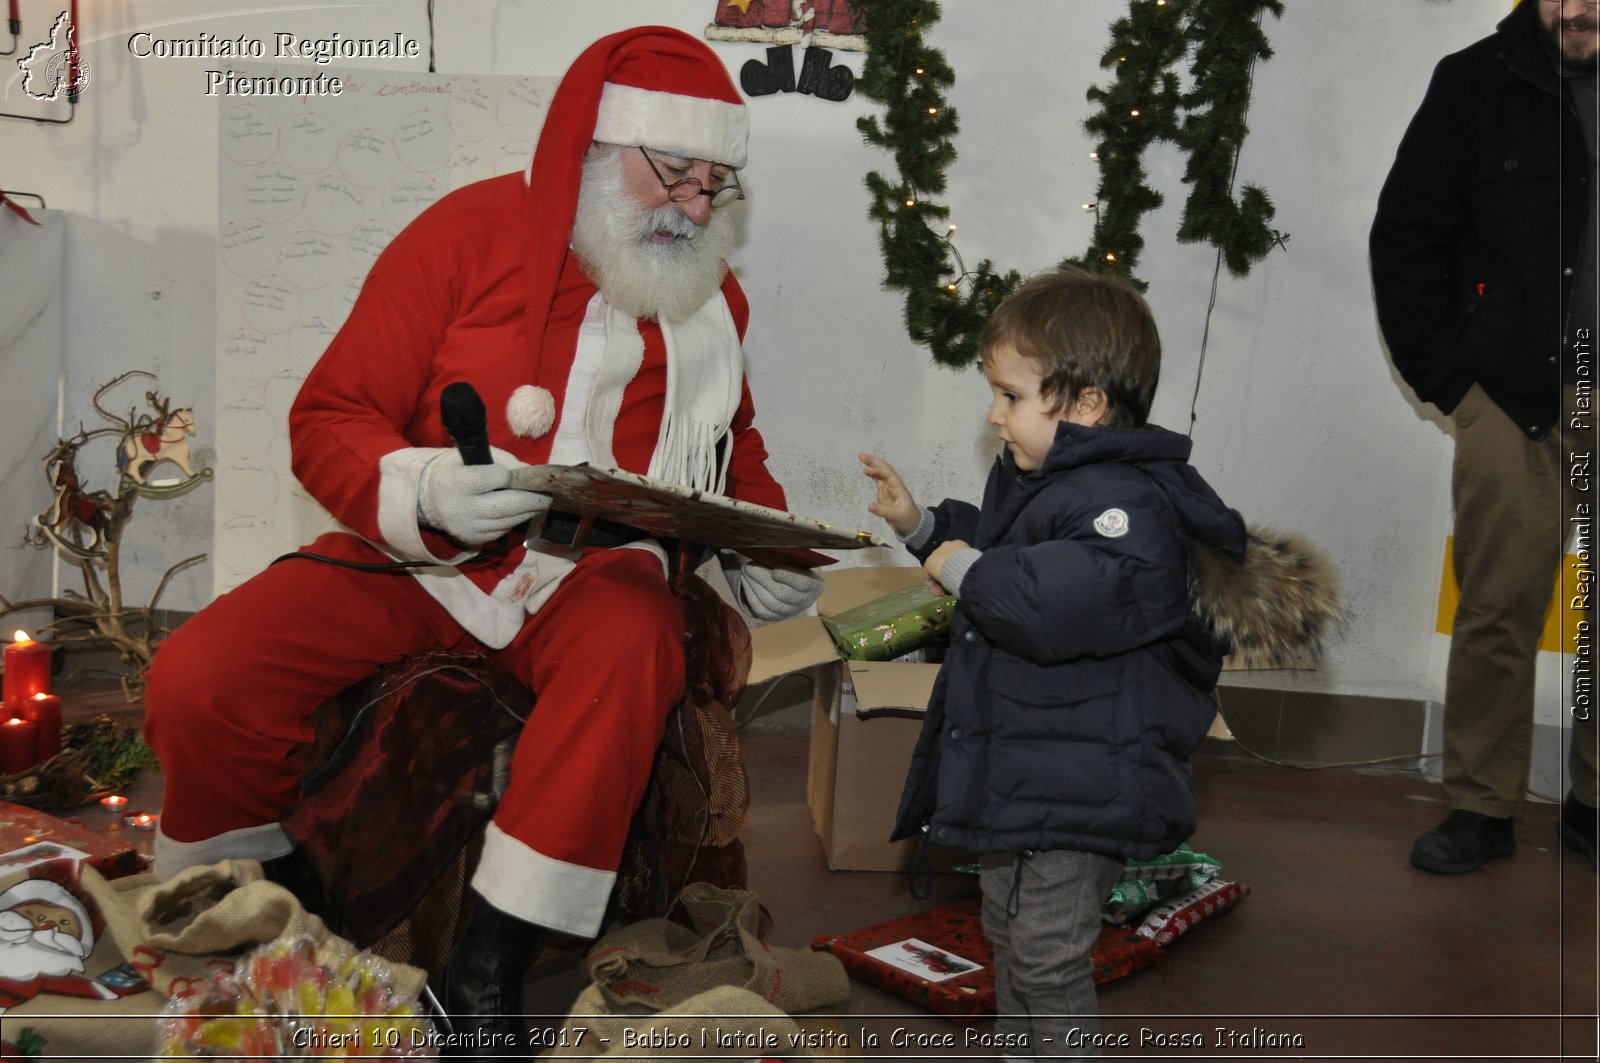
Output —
<point x="1216" y="268"/>
<point x="387" y="566"/>
<point x="1369" y="763"/>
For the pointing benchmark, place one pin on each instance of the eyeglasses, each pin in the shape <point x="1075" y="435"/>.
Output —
<point x="1590" y="4"/>
<point x="686" y="188"/>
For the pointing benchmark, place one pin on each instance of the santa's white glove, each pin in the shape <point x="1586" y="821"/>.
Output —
<point x="771" y="593"/>
<point x="471" y="503"/>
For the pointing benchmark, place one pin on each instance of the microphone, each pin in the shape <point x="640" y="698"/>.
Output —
<point x="467" y="421"/>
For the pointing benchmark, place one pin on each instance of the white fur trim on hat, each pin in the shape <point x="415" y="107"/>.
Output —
<point x="693" y="127"/>
<point x="530" y="411"/>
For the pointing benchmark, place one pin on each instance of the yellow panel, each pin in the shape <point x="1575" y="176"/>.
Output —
<point x="1552" y="637"/>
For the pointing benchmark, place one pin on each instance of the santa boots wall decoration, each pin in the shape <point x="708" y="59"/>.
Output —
<point x="818" y="76"/>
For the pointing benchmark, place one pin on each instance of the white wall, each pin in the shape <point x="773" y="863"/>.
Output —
<point x="1301" y="422"/>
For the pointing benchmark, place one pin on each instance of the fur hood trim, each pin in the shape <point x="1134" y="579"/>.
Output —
<point x="1277" y="609"/>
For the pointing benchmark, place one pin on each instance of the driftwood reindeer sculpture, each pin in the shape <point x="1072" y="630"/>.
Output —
<point x="86" y="526"/>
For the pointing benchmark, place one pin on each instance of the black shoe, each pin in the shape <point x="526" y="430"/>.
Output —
<point x="481" y="989"/>
<point x="1578" y="828"/>
<point x="1465" y="841"/>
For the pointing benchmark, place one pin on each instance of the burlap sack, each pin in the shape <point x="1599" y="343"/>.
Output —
<point x="175" y="932"/>
<point x="724" y="1022"/>
<point x="152" y="940"/>
<point x="657" y="964"/>
<point x="96" y="1008"/>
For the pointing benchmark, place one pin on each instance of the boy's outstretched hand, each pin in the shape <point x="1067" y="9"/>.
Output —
<point x="895" y="504"/>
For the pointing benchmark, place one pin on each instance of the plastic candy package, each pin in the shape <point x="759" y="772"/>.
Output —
<point x="298" y="998"/>
<point x="1182" y="862"/>
<point x="1145" y="883"/>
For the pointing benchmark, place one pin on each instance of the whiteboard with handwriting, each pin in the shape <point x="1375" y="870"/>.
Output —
<point x="310" y="190"/>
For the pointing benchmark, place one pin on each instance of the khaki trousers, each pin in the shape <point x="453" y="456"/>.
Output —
<point x="1514" y="513"/>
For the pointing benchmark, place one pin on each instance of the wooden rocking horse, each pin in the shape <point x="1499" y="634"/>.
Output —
<point x="164" y="439"/>
<point x="74" y="511"/>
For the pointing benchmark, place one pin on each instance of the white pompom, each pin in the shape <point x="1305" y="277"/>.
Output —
<point x="531" y="411"/>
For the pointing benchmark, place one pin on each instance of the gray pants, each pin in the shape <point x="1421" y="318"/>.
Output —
<point x="1041" y="912"/>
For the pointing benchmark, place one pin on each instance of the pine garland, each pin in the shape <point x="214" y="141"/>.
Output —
<point x="918" y="127"/>
<point x="947" y="305"/>
<point x="1139" y="108"/>
<point x="1228" y="41"/>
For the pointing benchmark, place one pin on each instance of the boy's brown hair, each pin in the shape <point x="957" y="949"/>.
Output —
<point x="1083" y="330"/>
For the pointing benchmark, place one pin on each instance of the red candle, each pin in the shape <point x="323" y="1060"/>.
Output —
<point x="45" y="712"/>
<point x="72" y="56"/>
<point x="17" y="745"/>
<point x="27" y="671"/>
<point x="16" y="18"/>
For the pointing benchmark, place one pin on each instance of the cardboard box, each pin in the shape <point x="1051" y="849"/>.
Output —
<point x="865" y="719"/>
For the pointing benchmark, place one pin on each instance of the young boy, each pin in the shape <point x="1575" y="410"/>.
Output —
<point x="1076" y="684"/>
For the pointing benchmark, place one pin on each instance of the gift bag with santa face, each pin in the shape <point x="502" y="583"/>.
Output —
<point x="65" y="988"/>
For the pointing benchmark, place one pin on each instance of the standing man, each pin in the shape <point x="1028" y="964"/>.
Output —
<point x="1483" y="264"/>
<point x="588" y="302"/>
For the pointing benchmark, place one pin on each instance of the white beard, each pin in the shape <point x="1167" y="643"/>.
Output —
<point x="50" y="953"/>
<point x="638" y="275"/>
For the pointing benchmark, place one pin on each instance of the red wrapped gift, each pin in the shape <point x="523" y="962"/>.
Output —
<point x="941" y="960"/>
<point x="29" y="837"/>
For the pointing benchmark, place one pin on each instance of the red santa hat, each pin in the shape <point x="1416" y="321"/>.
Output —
<point x="651" y="86"/>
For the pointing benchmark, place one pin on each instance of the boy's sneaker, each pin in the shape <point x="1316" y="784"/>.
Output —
<point x="1465" y="841"/>
<point x="1578" y="828"/>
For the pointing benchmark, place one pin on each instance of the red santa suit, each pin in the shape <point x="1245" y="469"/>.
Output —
<point x="482" y="288"/>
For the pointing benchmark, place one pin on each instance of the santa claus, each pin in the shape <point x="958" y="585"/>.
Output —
<point x="588" y="302"/>
<point x="45" y="937"/>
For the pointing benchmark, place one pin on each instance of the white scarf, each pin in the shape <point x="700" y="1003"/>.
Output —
<point x="705" y="374"/>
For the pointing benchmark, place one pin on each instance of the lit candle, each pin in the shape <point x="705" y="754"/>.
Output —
<point x="114" y="802"/>
<point x="17" y="745"/>
<point x="140" y="820"/>
<point x="45" y="712"/>
<point x="27" y="670"/>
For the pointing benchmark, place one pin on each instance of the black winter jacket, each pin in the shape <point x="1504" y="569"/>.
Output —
<point x="1076" y="685"/>
<point x="1480" y="226"/>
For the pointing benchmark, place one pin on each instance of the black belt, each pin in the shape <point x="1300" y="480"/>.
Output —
<point x="562" y="528"/>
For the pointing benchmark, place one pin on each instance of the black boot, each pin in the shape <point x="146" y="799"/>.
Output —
<point x="482" y="983"/>
<point x="294" y="873"/>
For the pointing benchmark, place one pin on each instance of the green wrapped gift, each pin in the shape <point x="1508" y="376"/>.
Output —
<point x="887" y="627"/>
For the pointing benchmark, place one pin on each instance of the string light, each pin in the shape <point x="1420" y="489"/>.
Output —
<point x="945" y="325"/>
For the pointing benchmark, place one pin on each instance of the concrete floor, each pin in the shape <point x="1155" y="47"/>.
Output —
<point x="1340" y="942"/>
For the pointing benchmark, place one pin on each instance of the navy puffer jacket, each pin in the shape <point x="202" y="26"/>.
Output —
<point x="1076" y="684"/>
